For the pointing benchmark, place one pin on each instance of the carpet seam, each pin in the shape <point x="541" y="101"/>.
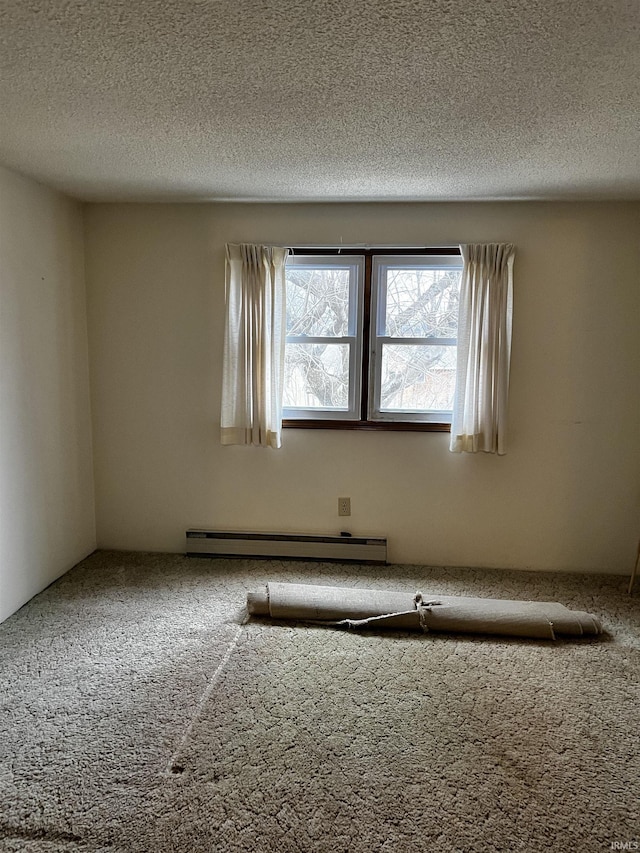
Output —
<point x="206" y="695"/>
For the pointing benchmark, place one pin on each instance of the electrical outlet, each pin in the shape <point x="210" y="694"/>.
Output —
<point x="344" y="506"/>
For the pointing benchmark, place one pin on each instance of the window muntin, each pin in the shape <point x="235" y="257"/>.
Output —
<point x="390" y="339"/>
<point x="323" y="353"/>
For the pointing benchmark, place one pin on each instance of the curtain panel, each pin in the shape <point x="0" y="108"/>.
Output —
<point x="479" y="420"/>
<point x="253" y="365"/>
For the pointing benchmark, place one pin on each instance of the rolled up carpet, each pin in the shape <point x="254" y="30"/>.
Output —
<point x="369" y="608"/>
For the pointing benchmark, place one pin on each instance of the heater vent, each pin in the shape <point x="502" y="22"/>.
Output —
<point x="222" y="543"/>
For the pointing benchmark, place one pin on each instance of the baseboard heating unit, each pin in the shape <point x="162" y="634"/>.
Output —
<point x="221" y="543"/>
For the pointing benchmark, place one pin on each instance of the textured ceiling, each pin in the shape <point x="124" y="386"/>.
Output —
<point x="323" y="99"/>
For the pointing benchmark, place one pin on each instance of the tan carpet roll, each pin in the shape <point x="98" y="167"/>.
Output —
<point x="408" y="611"/>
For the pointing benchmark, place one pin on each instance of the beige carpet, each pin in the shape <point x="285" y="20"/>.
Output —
<point x="139" y="714"/>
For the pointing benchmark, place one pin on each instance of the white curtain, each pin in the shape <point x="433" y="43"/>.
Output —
<point x="254" y="341"/>
<point x="484" y="349"/>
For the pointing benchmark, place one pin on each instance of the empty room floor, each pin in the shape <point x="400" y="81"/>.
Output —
<point x="142" y="711"/>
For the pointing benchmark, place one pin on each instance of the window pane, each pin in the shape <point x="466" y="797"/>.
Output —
<point x="317" y="301"/>
<point x="417" y="378"/>
<point x="316" y="376"/>
<point x="422" y="303"/>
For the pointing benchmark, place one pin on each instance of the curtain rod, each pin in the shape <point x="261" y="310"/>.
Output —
<point x="342" y="245"/>
<point x="367" y="247"/>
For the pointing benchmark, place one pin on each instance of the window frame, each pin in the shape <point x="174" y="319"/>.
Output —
<point x="396" y="421"/>
<point x="353" y="339"/>
<point x="382" y="263"/>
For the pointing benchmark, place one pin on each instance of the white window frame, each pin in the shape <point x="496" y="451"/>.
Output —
<point x="366" y="356"/>
<point x="354" y="339"/>
<point x="380" y="265"/>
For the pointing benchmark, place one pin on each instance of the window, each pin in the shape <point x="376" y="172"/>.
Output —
<point x="371" y="338"/>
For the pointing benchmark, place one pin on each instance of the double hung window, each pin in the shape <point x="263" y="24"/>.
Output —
<point x="371" y="338"/>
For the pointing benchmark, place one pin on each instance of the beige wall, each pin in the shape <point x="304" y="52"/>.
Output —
<point x="47" y="521"/>
<point x="565" y="496"/>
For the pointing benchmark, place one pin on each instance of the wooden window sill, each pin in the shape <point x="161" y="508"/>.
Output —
<point x="386" y="426"/>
